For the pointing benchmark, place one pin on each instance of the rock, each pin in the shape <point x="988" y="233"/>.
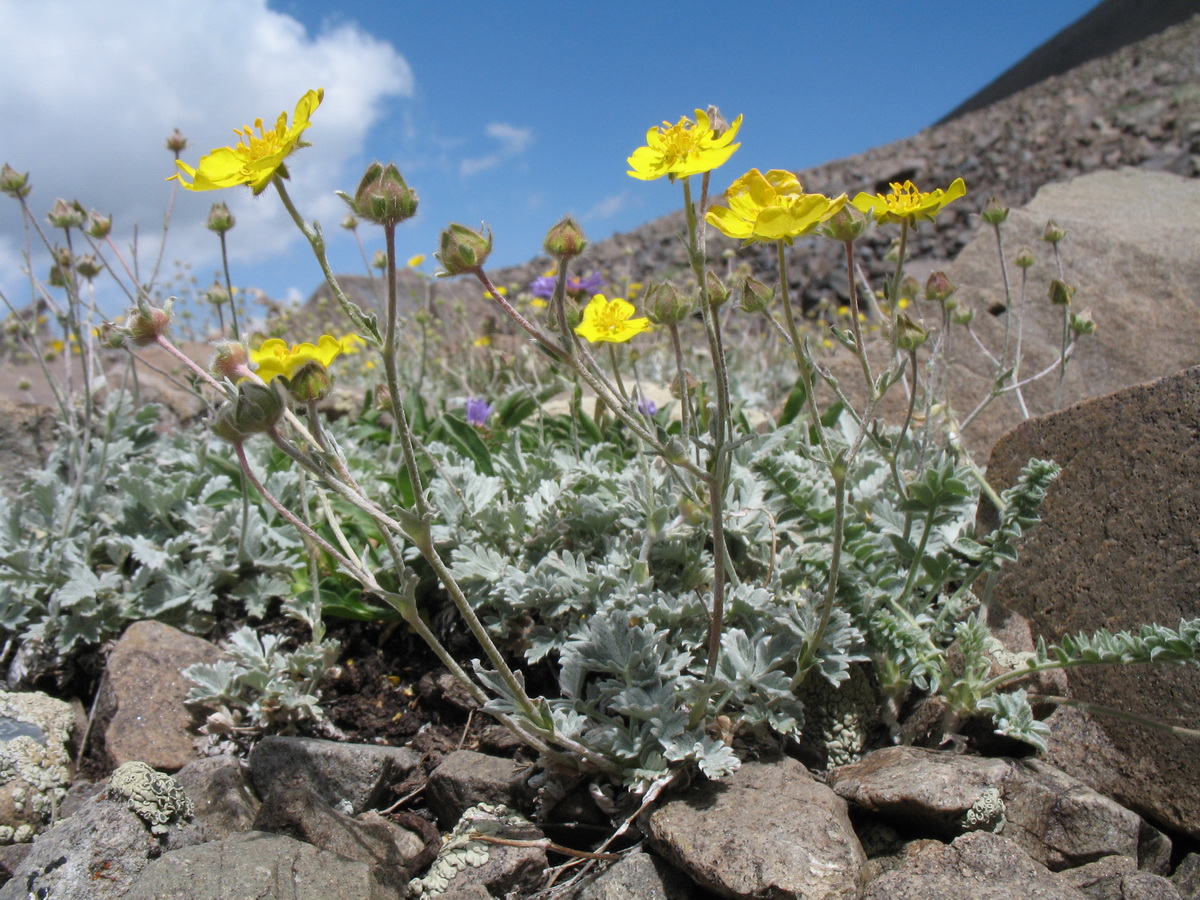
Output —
<point x="979" y="866"/>
<point x="262" y="866"/>
<point x="35" y="765"/>
<point x="156" y="798"/>
<point x="1057" y="820"/>
<point x="465" y="778"/>
<point x="95" y="854"/>
<point x="465" y="861"/>
<point x="768" y="830"/>
<point x="1118" y="878"/>
<point x="27" y="432"/>
<point x="219" y="788"/>
<point x="638" y="876"/>
<point x="1119" y="535"/>
<point x="1186" y="877"/>
<point x="294" y="808"/>
<point x="140" y="710"/>
<point x="349" y="777"/>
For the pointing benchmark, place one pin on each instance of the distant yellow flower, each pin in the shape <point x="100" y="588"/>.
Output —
<point x="610" y="320"/>
<point x="905" y="202"/>
<point x="276" y="358"/>
<point x="685" y="148"/>
<point x="771" y="207"/>
<point x="484" y="341"/>
<point x="414" y="261"/>
<point x="538" y="303"/>
<point x="256" y="158"/>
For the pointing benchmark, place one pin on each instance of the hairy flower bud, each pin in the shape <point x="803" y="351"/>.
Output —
<point x="1053" y="233"/>
<point x="909" y="288"/>
<point x="350" y="222"/>
<point x="310" y="383"/>
<point x="1061" y="292"/>
<point x="220" y="219"/>
<point x="718" y="293"/>
<point x="176" y="142"/>
<point x="1082" y="323"/>
<point x="909" y="335"/>
<point x="98" y="226"/>
<point x="755" y="296"/>
<point x="963" y="316"/>
<point x="379" y="260"/>
<point x="217" y="294"/>
<point x="13" y="183"/>
<point x="993" y="212"/>
<point x="383" y="197"/>
<point x="256" y="409"/>
<point x="145" y="327"/>
<point x="463" y="250"/>
<point x="66" y="215"/>
<point x="88" y="266"/>
<point x="665" y="304"/>
<point x="939" y="287"/>
<point x="1025" y="258"/>
<point x="848" y="224"/>
<point x="565" y="240"/>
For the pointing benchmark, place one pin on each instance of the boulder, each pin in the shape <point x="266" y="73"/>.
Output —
<point x="1117" y="548"/>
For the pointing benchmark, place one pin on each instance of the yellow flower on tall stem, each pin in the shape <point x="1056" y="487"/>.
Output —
<point x="904" y="203"/>
<point x="771" y="207"/>
<point x="685" y="148"/>
<point x="610" y="321"/>
<point x="256" y="158"/>
<point x="275" y="357"/>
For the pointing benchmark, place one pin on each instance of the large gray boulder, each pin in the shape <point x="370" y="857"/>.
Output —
<point x="1117" y="548"/>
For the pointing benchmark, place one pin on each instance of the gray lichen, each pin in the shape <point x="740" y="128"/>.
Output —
<point x="157" y="798"/>
<point x="460" y="851"/>
<point x="34" y="773"/>
<point x="985" y="814"/>
<point x="840" y="719"/>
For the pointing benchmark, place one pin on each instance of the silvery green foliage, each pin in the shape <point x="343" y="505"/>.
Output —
<point x="264" y="687"/>
<point x="136" y="524"/>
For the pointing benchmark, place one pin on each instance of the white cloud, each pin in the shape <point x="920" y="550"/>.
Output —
<point x="608" y="207"/>
<point x="513" y="141"/>
<point x="93" y="89"/>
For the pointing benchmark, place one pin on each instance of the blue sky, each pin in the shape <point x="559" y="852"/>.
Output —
<point x="512" y="114"/>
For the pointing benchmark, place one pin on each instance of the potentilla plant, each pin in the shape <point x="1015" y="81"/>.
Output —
<point x="693" y="588"/>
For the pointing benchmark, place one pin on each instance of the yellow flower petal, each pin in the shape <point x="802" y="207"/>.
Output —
<point x="685" y="148"/>
<point x="771" y="207"/>
<point x="610" y="320"/>
<point x="905" y="202"/>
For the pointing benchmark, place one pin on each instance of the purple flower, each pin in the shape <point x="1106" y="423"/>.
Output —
<point x="647" y="407"/>
<point x="576" y="287"/>
<point x="478" y="411"/>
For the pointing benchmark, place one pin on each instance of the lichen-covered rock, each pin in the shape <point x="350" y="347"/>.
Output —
<point x="35" y="767"/>
<point x="841" y="719"/>
<point x="157" y="798"/>
<point x="464" y="860"/>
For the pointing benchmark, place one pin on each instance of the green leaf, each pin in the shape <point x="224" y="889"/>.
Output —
<point x="467" y="439"/>
<point x="794" y="403"/>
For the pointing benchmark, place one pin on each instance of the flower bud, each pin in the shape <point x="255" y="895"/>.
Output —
<point x="217" y="295"/>
<point x="848" y="224"/>
<point x="665" y="304"/>
<point x="574" y="319"/>
<point x="1053" y="233"/>
<point x="98" y="226"/>
<point x="463" y="250"/>
<point x="1082" y="323"/>
<point x="176" y="142"/>
<point x="383" y="197"/>
<point x="1025" y="258"/>
<point x="909" y="288"/>
<point x="220" y="219"/>
<point x="88" y="266"/>
<point x="232" y="361"/>
<point x="57" y="277"/>
<point x="1061" y="292"/>
<point x="66" y="215"/>
<point x="754" y="295"/>
<point x="144" y="328"/>
<point x="993" y="213"/>
<point x="718" y="293"/>
<point x="310" y="383"/>
<point x="14" y="183"/>
<point x="939" y="287"/>
<point x="565" y="240"/>
<point x="350" y="222"/>
<point x="112" y="336"/>
<point x="379" y="260"/>
<point x="257" y="408"/>
<point x="909" y="335"/>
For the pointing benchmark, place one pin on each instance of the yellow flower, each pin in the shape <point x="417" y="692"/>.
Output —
<point x="686" y="148"/>
<point x="256" y="158"/>
<point x="414" y="261"/>
<point x="484" y="341"/>
<point x="609" y="320"/>
<point x="906" y="202"/>
<point x="771" y="207"/>
<point x="275" y="357"/>
<point x="538" y="303"/>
